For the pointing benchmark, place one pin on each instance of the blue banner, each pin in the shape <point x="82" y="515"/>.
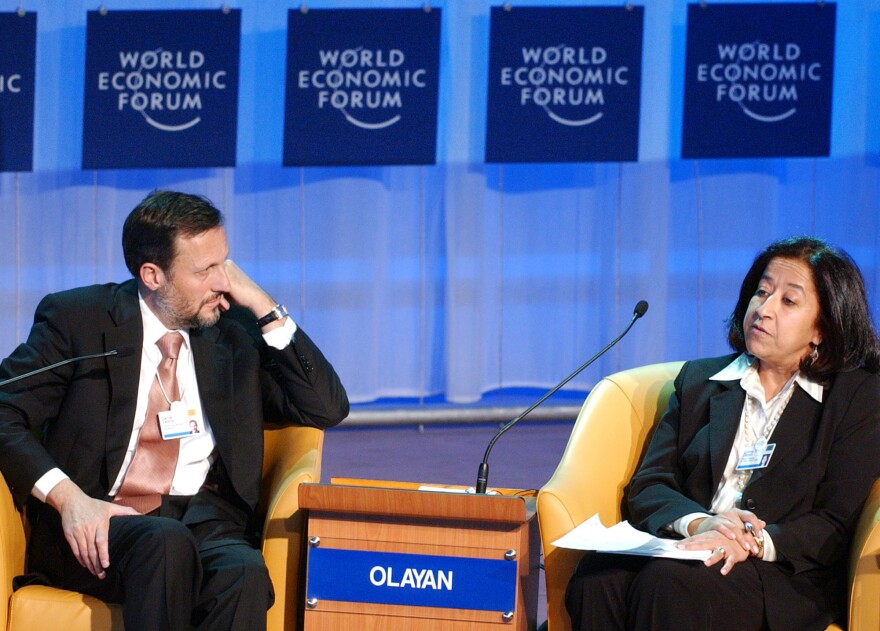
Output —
<point x="564" y="84"/>
<point x="18" y="44"/>
<point x="758" y="80"/>
<point x="161" y="89"/>
<point x="361" y="86"/>
<point x="411" y="579"/>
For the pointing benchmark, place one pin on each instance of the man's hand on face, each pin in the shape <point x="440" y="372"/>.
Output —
<point x="246" y="293"/>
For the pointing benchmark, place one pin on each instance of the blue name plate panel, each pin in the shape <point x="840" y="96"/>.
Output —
<point x="391" y="578"/>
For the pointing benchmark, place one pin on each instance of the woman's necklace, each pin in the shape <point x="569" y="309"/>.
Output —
<point x="753" y="440"/>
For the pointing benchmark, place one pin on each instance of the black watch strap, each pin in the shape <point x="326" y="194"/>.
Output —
<point x="278" y="312"/>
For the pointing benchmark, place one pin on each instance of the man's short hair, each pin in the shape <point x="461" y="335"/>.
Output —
<point x="151" y="229"/>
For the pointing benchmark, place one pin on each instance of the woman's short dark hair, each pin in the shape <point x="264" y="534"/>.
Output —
<point x="150" y="230"/>
<point x="848" y="337"/>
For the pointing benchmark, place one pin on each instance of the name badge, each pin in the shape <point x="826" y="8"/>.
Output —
<point x="756" y="457"/>
<point x="179" y="421"/>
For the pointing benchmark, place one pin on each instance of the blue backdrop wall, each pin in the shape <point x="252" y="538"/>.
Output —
<point x="459" y="277"/>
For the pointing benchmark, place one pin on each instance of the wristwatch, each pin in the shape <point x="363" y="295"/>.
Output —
<point x="278" y="312"/>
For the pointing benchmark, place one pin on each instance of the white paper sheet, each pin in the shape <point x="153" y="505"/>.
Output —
<point x="624" y="539"/>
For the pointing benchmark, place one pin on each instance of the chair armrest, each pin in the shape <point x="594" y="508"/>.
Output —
<point x="589" y="479"/>
<point x="12" y="548"/>
<point x="601" y="456"/>
<point x="555" y="520"/>
<point x="41" y="607"/>
<point x="864" y="603"/>
<point x="292" y="456"/>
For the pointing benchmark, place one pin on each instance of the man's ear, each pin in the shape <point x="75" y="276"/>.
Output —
<point x="152" y="276"/>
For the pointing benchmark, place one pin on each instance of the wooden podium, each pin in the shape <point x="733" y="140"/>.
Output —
<point x="386" y="556"/>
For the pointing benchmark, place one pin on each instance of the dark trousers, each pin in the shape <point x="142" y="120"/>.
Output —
<point x="189" y="565"/>
<point x="611" y="592"/>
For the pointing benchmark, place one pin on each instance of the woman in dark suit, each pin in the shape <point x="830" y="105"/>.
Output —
<point x="763" y="459"/>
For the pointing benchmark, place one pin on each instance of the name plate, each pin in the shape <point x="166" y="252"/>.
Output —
<point x="391" y="578"/>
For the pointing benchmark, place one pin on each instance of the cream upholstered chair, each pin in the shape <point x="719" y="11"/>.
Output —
<point x="602" y="454"/>
<point x="292" y="455"/>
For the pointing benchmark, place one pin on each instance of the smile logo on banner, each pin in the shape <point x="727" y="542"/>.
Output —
<point x="569" y="84"/>
<point x="758" y="80"/>
<point x="162" y="85"/>
<point x="161" y="88"/>
<point x="564" y="84"/>
<point x="761" y="78"/>
<point x="361" y="86"/>
<point x="365" y="86"/>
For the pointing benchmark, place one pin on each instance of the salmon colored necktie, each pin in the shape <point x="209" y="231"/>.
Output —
<point x="152" y="468"/>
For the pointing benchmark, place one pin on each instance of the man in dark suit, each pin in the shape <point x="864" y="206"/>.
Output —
<point x="111" y="513"/>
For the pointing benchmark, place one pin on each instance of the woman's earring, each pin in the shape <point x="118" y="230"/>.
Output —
<point x="814" y="355"/>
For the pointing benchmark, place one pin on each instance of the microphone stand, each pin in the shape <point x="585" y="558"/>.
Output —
<point x="483" y="470"/>
<point x="63" y="362"/>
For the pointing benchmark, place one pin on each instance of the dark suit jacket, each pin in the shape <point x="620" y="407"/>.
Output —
<point x="83" y="412"/>
<point x="827" y="456"/>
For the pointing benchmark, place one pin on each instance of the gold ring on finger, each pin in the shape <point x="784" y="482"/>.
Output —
<point x="722" y="551"/>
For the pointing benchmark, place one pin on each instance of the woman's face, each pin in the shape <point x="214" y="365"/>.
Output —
<point x="782" y="318"/>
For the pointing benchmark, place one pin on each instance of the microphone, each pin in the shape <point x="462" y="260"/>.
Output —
<point x="123" y="351"/>
<point x="483" y="471"/>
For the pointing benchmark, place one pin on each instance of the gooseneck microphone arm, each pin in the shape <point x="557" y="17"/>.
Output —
<point x="122" y="352"/>
<point x="483" y="471"/>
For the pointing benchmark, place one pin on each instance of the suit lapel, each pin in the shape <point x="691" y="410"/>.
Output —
<point x="725" y="409"/>
<point x="213" y="363"/>
<point x="124" y="374"/>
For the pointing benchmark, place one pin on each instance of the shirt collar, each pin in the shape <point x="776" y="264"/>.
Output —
<point x="153" y="327"/>
<point x="745" y="366"/>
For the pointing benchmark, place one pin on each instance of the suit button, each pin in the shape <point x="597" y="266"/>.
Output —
<point x="751" y="504"/>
